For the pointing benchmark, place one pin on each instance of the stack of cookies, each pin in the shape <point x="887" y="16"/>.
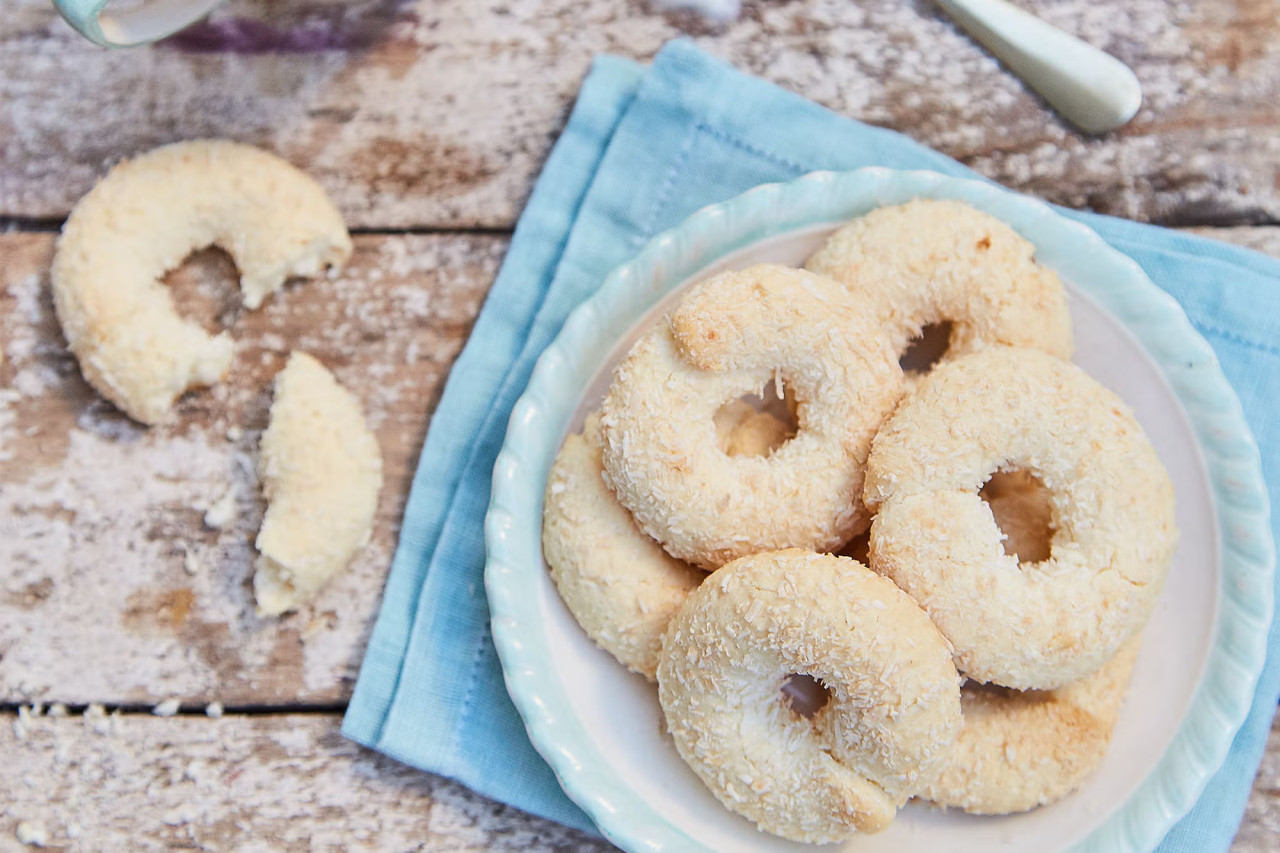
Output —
<point x="949" y="563"/>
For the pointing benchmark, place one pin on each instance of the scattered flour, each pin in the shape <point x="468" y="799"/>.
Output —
<point x="413" y="301"/>
<point x="293" y="741"/>
<point x="28" y="314"/>
<point x="179" y="815"/>
<point x="108" y="515"/>
<point x="8" y="401"/>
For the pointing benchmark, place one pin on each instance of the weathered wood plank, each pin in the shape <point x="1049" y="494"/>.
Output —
<point x="291" y="782"/>
<point x="438" y="113"/>
<point x="114" y="589"/>
<point x="261" y="783"/>
<point x="97" y="516"/>
<point x="1263" y="239"/>
<point x="1260" y="828"/>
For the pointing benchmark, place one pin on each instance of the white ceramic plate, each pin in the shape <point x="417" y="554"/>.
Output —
<point x="600" y="727"/>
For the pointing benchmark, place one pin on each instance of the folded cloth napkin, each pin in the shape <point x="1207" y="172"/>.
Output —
<point x="643" y="150"/>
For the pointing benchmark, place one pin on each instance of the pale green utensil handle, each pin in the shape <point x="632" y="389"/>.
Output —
<point x="127" y="28"/>
<point x="1089" y="88"/>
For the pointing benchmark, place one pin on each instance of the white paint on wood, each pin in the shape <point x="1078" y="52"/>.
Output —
<point x="440" y="112"/>
<point x="1260" y="828"/>
<point x="291" y="782"/>
<point x="239" y="784"/>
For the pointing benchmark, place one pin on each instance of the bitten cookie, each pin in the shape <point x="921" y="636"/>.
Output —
<point x="142" y="220"/>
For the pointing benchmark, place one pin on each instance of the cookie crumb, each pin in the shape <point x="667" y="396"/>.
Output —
<point x="32" y="833"/>
<point x="190" y="562"/>
<point x="221" y="511"/>
<point x="95" y="717"/>
<point x="213" y="710"/>
<point x="22" y="724"/>
<point x="167" y="708"/>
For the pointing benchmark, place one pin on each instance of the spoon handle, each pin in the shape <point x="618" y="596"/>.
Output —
<point x="1091" y="89"/>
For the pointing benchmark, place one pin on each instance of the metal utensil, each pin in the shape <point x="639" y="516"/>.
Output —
<point x="1088" y="87"/>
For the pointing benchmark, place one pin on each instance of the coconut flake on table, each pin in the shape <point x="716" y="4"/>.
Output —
<point x="720" y="11"/>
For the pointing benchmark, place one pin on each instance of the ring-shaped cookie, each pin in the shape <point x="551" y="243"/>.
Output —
<point x="732" y="335"/>
<point x="893" y="706"/>
<point x="931" y="261"/>
<point x="1018" y="750"/>
<point x="1046" y="624"/>
<point x="142" y="220"/>
<point x="619" y="584"/>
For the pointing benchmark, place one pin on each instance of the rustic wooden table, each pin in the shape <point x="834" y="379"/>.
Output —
<point x="427" y="121"/>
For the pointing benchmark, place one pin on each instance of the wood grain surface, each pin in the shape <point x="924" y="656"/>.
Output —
<point x="437" y="113"/>
<point x="97" y="781"/>
<point x="287" y="782"/>
<point x="427" y="120"/>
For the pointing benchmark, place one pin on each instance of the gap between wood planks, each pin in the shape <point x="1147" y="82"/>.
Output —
<point x="77" y="709"/>
<point x="35" y="225"/>
<point x="18" y="224"/>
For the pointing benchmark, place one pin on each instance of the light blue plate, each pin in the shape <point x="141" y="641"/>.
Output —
<point x="599" y="727"/>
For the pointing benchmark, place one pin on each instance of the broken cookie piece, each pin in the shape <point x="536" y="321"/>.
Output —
<point x="321" y="471"/>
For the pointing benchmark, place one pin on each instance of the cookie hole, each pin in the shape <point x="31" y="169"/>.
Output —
<point x="1020" y="504"/>
<point x="205" y="289"/>
<point x="1006" y="695"/>
<point x="927" y="348"/>
<point x="757" y="424"/>
<point x="859" y="547"/>
<point x="804" y="694"/>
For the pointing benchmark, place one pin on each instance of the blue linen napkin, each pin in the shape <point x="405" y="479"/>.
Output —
<point x="643" y="150"/>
